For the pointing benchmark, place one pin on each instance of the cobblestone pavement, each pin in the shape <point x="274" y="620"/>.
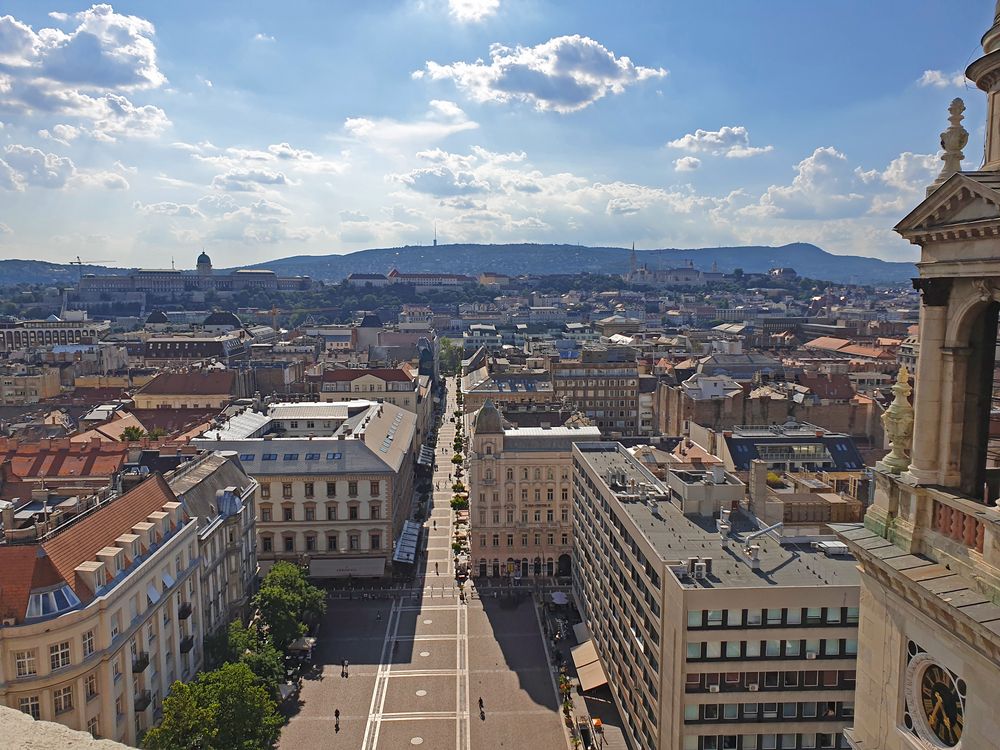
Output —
<point x="420" y="660"/>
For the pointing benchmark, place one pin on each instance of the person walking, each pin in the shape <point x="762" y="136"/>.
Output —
<point x="336" y="720"/>
<point x="345" y="672"/>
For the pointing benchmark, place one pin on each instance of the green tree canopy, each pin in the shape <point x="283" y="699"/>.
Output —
<point x="225" y="709"/>
<point x="133" y="434"/>
<point x="286" y="601"/>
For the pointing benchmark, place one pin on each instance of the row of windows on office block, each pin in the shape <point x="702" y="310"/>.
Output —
<point x="739" y="681"/>
<point x="308" y="512"/>
<point x="550" y="539"/>
<point x="772" y="617"/>
<point x="309" y="489"/>
<point x="312" y="543"/>
<point x="808" y="648"/>
<point x="550" y="494"/>
<point x="807" y="741"/>
<point x="526" y="516"/>
<point x="808" y="711"/>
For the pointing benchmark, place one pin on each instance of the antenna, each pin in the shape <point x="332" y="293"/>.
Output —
<point x="435" y="234"/>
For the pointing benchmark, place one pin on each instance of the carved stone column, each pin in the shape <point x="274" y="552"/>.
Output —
<point x="927" y="409"/>
<point x="955" y="361"/>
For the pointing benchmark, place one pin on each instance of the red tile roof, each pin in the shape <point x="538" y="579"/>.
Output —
<point x="82" y="540"/>
<point x="22" y="568"/>
<point x="61" y="458"/>
<point x="390" y="374"/>
<point x="209" y="383"/>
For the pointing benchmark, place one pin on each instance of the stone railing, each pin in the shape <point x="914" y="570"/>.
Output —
<point x="959" y="526"/>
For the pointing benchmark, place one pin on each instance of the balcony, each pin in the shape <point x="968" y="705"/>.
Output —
<point x="140" y="660"/>
<point x="142" y="700"/>
<point x="187" y="643"/>
<point x="184" y="611"/>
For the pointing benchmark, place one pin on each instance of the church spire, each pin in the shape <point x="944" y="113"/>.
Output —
<point x="986" y="73"/>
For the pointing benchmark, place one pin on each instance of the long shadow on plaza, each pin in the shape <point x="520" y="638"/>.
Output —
<point x="515" y="628"/>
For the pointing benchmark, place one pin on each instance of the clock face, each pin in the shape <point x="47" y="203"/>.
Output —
<point x="941" y="704"/>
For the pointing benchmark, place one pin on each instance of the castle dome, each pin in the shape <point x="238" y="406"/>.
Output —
<point x="204" y="260"/>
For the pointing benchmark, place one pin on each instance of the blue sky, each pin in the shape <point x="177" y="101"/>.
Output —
<point x="139" y="132"/>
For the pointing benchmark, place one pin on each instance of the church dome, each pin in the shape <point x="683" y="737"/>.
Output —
<point x="204" y="260"/>
<point x="157" y="317"/>
<point x="223" y="318"/>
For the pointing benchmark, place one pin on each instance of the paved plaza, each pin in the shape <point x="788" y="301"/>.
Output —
<point x="420" y="660"/>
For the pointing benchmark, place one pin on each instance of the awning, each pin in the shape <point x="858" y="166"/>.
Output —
<point x="304" y="643"/>
<point x="406" y="546"/>
<point x="153" y="593"/>
<point x="588" y="667"/>
<point x="358" y="567"/>
<point x="582" y="632"/>
<point x="559" y="597"/>
<point x="168" y="581"/>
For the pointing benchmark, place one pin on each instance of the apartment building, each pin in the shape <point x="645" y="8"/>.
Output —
<point x="603" y="384"/>
<point x="207" y="389"/>
<point x="22" y="385"/>
<point x="100" y="614"/>
<point x="390" y="384"/>
<point x="520" y="496"/>
<point x="221" y="496"/>
<point x="336" y="482"/>
<point x="711" y="636"/>
<point x="27" y="334"/>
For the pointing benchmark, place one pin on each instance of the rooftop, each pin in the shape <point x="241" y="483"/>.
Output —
<point x="676" y="537"/>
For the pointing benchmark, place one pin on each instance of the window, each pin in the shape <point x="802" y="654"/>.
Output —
<point x="691" y="712"/>
<point x="376" y="540"/>
<point x="713" y="649"/>
<point x="310" y="543"/>
<point x="810" y="679"/>
<point x="768" y="741"/>
<point x="94" y="726"/>
<point x="791" y="679"/>
<point x="753" y="617"/>
<point x="289" y="544"/>
<point x="731" y="711"/>
<point x="831" y="647"/>
<point x="734" y="617"/>
<point x="24" y="662"/>
<point x="809" y="710"/>
<point x="376" y="511"/>
<point x="59" y="655"/>
<point x="309" y="489"/>
<point x="331" y="512"/>
<point x="312" y="457"/>
<point x="90" y="686"/>
<point x="266" y="544"/>
<point x="352" y="513"/>
<point x="829" y="678"/>
<point x="265" y="513"/>
<point x="789" y="710"/>
<point x="291" y="457"/>
<point x="714" y="618"/>
<point x="331" y="542"/>
<point x="30" y="706"/>
<point x="851" y="646"/>
<point x="732" y="649"/>
<point x="814" y="615"/>
<point x="62" y="699"/>
<point x="794" y="617"/>
<point x="710" y="711"/>
<point x="265" y="490"/>
<point x="286" y="489"/>
<point x="771" y="679"/>
<point x="269" y="457"/>
<point x="354" y="541"/>
<point x="694" y="651"/>
<point x="331" y="489"/>
<point x="749" y="709"/>
<point x="352" y="489"/>
<point x="772" y="648"/>
<point x="749" y="742"/>
<point x="773" y="616"/>
<point x="753" y="649"/>
<point x="310" y="511"/>
<point x="852" y="615"/>
<point x="833" y="615"/>
<point x="287" y="514"/>
<point x="793" y="648"/>
<point x="694" y="618"/>
<point x="770" y="710"/>
<point x="375" y="488"/>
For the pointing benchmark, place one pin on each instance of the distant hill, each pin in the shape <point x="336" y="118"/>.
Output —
<point x="13" y="272"/>
<point x="808" y="260"/>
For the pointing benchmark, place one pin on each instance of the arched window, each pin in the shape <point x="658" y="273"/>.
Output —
<point x="489" y="449"/>
<point x="488" y="475"/>
<point x="510" y="474"/>
<point x="549" y="474"/>
<point x="538" y="473"/>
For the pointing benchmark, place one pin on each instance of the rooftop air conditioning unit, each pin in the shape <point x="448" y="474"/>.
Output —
<point x="753" y="687"/>
<point x="700" y="570"/>
<point x="810" y="654"/>
<point x="713" y="688"/>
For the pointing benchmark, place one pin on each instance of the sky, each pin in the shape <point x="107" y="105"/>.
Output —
<point x="140" y="133"/>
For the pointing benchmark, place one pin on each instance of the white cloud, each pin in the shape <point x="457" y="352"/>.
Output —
<point x="276" y="157"/>
<point x="687" y="164"/>
<point x="5" y="231"/>
<point x="261" y="37"/>
<point x="472" y="10"/>
<point x="564" y="74"/>
<point x="248" y="180"/>
<point x="730" y="141"/>
<point x="168" y="208"/>
<point x="941" y="80"/>
<point x="82" y="72"/>
<point x="349" y="216"/>
<point x="22" y="167"/>
<point x="443" y="118"/>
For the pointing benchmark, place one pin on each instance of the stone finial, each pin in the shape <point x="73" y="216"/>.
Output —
<point x="898" y="423"/>
<point x="953" y="140"/>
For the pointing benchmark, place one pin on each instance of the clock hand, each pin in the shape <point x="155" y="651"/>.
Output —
<point x="938" y="706"/>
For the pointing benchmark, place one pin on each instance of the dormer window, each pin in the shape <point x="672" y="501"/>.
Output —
<point x="52" y="602"/>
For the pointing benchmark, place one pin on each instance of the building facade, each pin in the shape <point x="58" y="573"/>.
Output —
<point x="102" y="615"/>
<point x="930" y="544"/>
<point x="520" y="497"/>
<point x="392" y="385"/>
<point x="336" y="482"/>
<point x="27" y="334"/>
<point x="709" y="637"/>
<point x="603" y="384"/>
<point x="28" y="385"/>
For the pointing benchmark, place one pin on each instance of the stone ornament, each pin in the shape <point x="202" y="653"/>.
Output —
<point x="953" y="140"/>
<point x="898" y="423"/>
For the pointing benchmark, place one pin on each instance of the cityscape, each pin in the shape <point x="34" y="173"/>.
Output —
<point x="335" y="413"/>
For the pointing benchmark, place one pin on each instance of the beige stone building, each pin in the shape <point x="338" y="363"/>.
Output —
<point x="28" y="385"/>
<point x="710" y="636"/>
<point x="101" y="615"/>
<point x="603" y="384"/>
<point x="520" y="496"/>
<point x="336" y="482"/>
<point x="930" y="544"/>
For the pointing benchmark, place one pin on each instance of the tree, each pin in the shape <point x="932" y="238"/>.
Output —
<point x="156" y="433"/>
<point x="286" y="601"/>
<point x="133" y="434"/>
<point x="449" y="357"/>
<point x="224" y="709"/>
<point x="249" y="646"/>
<point x="186" y="724"/>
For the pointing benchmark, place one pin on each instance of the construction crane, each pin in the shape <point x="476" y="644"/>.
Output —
<point x="80" y="264"/>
